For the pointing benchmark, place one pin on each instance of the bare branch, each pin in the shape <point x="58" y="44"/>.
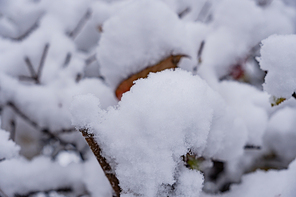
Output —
<point x="26" y="78"/>
<point x="42" y="60"/>
<point x="80" y="24"/>
<point x="89" y="137"/>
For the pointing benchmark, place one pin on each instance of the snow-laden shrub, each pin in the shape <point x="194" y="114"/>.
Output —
<point x="175" y="133"/>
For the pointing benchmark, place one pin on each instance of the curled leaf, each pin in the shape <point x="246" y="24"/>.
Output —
<point x="168" y="63"/>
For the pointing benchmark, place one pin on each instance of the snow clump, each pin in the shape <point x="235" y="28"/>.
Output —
<point x="158" y="121"/>
<point x="278" y="58"/>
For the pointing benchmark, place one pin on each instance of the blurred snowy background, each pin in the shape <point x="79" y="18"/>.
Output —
<point x="221" y="124"/>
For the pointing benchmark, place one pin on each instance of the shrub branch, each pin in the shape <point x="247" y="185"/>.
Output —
<point x="89" y="137"/>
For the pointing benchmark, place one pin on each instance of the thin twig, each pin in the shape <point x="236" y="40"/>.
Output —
<point x="26" y="78"/>
<point x="24" y="116"/>
<point x="80" y="24"/>
<point x="42" y="60"/>
<point x="33" y="123"/>
<point x="67" y="59"/>
<point x="12" y="133"/>
<point x="89" y="137"/>
<point x="61" y="190"/>
<point x="90" y="59"/>
<point x="2" y="193"/>
<point x="66" y="130"/>
<point x="199" y="53"/>
<point x="200" y="50"/>
<point x="30" y="67"/>
<point x="203" y="13"/>
<point x="28" y="32"/>
<point x="184" y="12"/>
<point x="254" y="147"/>
<point x="78" y="77"/>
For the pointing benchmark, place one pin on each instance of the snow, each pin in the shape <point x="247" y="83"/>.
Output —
<point x="149" y="134"/>
<point x="141" y="34"/>
<point x="235" y="29"/>
<point x="8" y="148"/>
<point x="188" y="181"/>
<point x="93" y="45"/>
<point x="281" y="129"/>
<point x="278" y="59"/>
<point x="48" y="106"/>
<point x="264" y="184"/>
<point x="94" y="179"/>
<point x="250" y="104"/>
<point x="22" y="176"/>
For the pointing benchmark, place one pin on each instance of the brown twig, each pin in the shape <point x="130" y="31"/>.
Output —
<point x="89" y="137"/>
<point x="80" y="24"/>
